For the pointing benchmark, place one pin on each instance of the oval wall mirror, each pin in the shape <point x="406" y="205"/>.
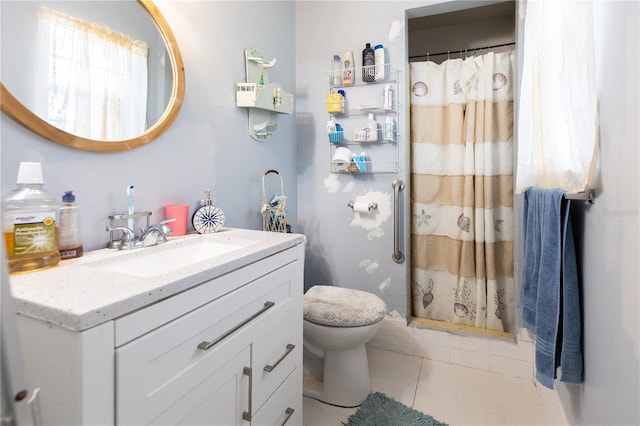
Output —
<point x="139" y="19"/>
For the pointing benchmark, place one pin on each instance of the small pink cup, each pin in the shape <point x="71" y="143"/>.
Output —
<point x="181" y="213"/>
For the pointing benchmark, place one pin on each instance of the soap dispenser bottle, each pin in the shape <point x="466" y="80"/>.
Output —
<point x="70" y="242"/>
<point x="208" y="218"/>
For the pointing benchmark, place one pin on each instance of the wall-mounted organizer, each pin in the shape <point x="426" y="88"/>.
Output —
<point x="264" y="100"/>
<point x="351" y="108"/>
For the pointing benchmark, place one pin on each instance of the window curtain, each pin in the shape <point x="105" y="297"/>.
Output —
<point x="92" y="80"/>
<point x="557" y="126"/>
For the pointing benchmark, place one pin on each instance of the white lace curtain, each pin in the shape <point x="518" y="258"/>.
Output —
<point x="557" y="126"/>
<point x="92" y="80"/>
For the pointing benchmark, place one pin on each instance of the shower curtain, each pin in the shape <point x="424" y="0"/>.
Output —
<point x="462" y="191"/>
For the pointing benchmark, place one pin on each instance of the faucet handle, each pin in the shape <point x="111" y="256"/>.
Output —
<point x="128" y="236"/>
<point x="127" y="233"/>
<point x="166" y="229"/>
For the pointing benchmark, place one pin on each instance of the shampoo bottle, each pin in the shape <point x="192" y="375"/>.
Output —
<point x="368" y="64"/>
<point x="70" y="242"/>
<point x="381" y="67"/>
<point x="348" y="73"/>
<point x="30" y="223"/>
<point x="372" y="129"/>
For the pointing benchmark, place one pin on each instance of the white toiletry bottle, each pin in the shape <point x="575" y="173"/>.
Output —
<point x="387" y="97"/>
<point x="381" y="67"/>
<point x="70" y="241"/>
<point x="372" y="129"/>
<point x="348" y="73"/>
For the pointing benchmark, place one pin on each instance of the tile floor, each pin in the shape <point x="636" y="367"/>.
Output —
<point x="450" y="393"/>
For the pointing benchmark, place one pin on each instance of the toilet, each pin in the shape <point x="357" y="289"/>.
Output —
<point x="337" y="324"/>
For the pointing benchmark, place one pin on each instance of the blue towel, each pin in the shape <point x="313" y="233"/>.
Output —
<point x="549" y="297"/>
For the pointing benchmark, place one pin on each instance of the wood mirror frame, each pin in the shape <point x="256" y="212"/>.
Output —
<point x="23" y="115"/>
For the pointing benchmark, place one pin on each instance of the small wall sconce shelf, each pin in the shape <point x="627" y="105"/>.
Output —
<point x="264" y="100"/>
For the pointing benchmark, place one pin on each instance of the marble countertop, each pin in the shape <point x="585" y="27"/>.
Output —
<point x="81" y="293"/>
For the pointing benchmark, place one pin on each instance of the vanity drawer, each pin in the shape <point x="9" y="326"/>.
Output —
<point x="156" y="371"/>
<point x="285" y="406"/>
<point x="276" y="351"/>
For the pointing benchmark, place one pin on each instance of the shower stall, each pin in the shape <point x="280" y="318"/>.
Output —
<point x="461" y="148"/>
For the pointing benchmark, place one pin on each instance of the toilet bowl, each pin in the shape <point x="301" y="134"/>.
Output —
<point x="337" y="324"/>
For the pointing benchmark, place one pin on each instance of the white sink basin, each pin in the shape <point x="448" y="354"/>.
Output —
<point x="167" y="258"/>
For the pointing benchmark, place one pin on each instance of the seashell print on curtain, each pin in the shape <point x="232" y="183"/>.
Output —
<point x="462" y="191"/>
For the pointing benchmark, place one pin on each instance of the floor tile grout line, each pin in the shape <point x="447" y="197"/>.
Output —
<point x="415" y="391"/>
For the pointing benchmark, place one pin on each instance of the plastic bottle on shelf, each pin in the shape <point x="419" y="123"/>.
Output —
<point x="368" y="64"/>
<point x="348" y="73"/>
<point x="30" y="223"/>
<point x="389" y="129"/>
<point x="345" y="107"/>
<point x="70" y="242"/>
<point x="336" y="71"/>
<point x="372" y="129"/>
<point x="381" y="67"/>
<point x="387" y="96"/>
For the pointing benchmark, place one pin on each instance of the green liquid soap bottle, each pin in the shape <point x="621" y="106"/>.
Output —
<point x="30" y="223"/>
<point x="70" y="242"/>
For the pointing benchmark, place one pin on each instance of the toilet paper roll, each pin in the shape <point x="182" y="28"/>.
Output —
<point x="341" y="158"/>
<point x="361" y="207"/>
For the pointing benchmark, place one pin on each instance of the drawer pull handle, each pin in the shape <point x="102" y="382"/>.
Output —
<point x="269" y="368"/>
<point x="246" y="415"/>
<point x="208" y="345"/>
<point x="289" y="411"/>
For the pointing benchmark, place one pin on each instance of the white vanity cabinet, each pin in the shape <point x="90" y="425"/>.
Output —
<point x="224" y="352"/>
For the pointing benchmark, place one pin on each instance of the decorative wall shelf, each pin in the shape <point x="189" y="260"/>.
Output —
<point x="264" y="100"/>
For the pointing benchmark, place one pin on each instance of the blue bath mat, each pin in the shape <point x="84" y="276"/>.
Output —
<point x="380" y="410"/>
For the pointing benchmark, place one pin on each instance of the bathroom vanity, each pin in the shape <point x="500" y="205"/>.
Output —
<point x="203" y="329"/>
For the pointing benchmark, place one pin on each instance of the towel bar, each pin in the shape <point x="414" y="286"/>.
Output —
<point x="588" y="196"/>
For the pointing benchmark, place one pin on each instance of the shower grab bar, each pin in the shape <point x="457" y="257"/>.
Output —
<point x="397" y="255"/>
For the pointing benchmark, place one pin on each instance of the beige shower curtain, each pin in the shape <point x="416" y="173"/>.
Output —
<point x="462" y="191"/>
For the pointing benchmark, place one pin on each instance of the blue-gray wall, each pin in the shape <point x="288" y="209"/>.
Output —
<point x="208" y="146"/>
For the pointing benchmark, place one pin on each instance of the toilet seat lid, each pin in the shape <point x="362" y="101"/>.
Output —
<point x="342" y="307"/>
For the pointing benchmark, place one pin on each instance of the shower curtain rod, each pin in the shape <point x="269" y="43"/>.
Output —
<point x="462" y="50"/>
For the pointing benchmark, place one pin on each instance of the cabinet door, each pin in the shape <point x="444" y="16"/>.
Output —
<point x="219" y="400"/>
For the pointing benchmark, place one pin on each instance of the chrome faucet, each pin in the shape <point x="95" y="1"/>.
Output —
<point x="156" y="234"/>
<point x="153" y="235"/>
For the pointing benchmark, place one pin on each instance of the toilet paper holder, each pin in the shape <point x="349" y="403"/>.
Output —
<point x="371" y="205"/>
